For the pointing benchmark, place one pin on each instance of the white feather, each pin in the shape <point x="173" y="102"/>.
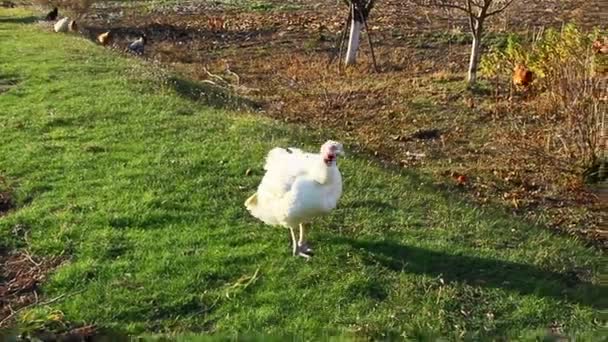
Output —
<point x="62" y="25"/>
<point x="296" y="188"/>
<point x="65" y="25"/>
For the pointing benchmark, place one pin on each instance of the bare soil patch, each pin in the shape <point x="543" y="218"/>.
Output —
<point x="279" y="56"/>
<point x="20" y="276"/>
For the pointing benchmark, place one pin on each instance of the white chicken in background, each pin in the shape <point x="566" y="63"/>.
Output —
<point x="65" y="25"/>
<point x="296" y="188"/>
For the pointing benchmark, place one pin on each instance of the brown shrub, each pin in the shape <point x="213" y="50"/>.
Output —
<point x="572" y="96"/>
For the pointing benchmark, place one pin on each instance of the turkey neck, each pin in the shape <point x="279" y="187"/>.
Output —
<point x="326" y="174"/>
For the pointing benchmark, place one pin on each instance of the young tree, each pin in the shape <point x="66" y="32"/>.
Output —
<point x="359" y="12"/>
<point x="477" y="11"/>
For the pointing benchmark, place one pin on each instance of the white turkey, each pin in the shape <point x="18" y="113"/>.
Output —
<point x="296" y="188"/>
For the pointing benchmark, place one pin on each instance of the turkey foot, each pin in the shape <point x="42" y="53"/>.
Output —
<point x="304" y="250"/>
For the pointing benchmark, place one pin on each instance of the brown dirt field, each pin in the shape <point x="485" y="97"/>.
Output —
<point x="279" y="57"/>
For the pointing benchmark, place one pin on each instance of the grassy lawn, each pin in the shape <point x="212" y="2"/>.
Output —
<point x="141" y="189"/>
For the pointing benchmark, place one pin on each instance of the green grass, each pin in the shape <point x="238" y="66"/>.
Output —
<point x="141" y="188"/>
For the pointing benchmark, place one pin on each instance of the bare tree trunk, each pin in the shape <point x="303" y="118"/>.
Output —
<point x="478" y="11"/>
<point x="353" y="41"/>
<point x="474" y="60"/>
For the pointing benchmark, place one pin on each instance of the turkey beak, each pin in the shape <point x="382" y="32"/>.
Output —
<point x="340" y="152"/>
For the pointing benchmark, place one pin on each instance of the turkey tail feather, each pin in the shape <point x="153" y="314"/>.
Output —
<point x="252" y="201"/>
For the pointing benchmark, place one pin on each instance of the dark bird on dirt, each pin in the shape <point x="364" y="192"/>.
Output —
<point x="105" y="38"/>
<point x="522" y="76"/>
<point x="216" y="23"/>
<point x="137" y="46"/>
<point x="52" y="15"/>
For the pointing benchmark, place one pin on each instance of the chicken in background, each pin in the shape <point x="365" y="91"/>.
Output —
<point x="600" y="50"/>
<point x="52" y="15"/>
<point x="65" y="25"/>
<point x="522" y="76"/>
<point x="600" y="47"/>
<point x="216" y="23"/>
<point x="296" y="188"/>
<point x="137" y="46"/>
<point x="105" y="38"/>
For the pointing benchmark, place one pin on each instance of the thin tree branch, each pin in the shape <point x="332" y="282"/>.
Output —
<point x="484" y="8"/>
<point x="439" y="3"/>
<point x="504" y="7"/>
<point x="472" y="18"/>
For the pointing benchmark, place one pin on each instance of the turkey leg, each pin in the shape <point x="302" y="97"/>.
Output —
<point x="294" y="243"/>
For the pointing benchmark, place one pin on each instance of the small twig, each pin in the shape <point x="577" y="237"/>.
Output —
<point x="230" y="72"/>
<point x="29" y="257"/>
<point x="243" y="282"/>
<point x="216" y="77"/>
<point x="215" y="84"/>
<point x="50" y="301"/>
<point x="251" y="279"/>
<point x="205" y="310"/>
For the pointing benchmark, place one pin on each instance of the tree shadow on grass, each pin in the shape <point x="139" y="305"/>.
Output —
<point x="522" y="278"/>
<point x="18" y="20"/>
